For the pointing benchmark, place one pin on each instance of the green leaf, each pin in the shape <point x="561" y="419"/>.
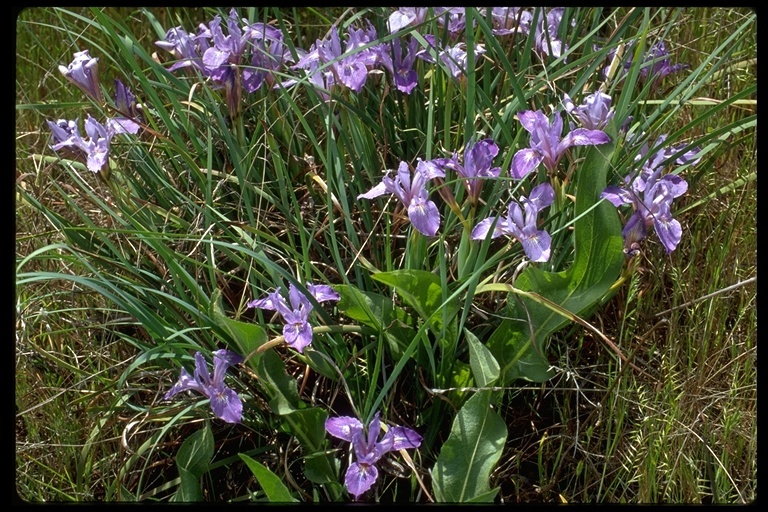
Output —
<point x="247" y="336"/>
<point x="321" y="468"/>
<point x="273" y="486"/>
<point x="485" y="369"/>
<point x="376" y="311"/>
<point x="424" y="293"/>
<point x="308" y="425"/>
<point x="470" y="453"/>
<point x="278" y="384"/>
<point x="193" y="459"/>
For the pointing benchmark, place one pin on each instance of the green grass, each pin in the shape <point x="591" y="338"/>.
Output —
<point x="119" y="276"/>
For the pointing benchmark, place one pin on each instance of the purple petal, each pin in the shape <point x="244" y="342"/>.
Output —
<point x="480" y="231"/>
<point x="227" y="405"/>
<point x="360" y="478"/>
<point x="398" y="20"/>
<point x="185" y="382"/>
<point x="343" y="427"/>
<point x="213" y="57"/>
<point x="424" y="216"/>
<point x="677" y="186"/>
<point x="376" y="191"/>
<point x="222" y="360"/>
<point x="123" y="125"/>
<point x="300" y="304"/>
<point x="542" y="196"/>
<point x="323" y="292"/>
<point x="617" y="196"/>
<point x="298" y="335"/>
<point x="584" y="137"/>
<point x="98" y="155"/>
<point x="537" y="247"/>
<point x="531" y="119"/>
<point x="403" y="438"/>
<point x="429" y="169"/>
<point x="272" y="302"/>
<point x="669" y="232"/>
<point x="525" y="161"/>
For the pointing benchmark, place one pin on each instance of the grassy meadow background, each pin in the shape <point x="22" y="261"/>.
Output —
<point x="89" y="420"/>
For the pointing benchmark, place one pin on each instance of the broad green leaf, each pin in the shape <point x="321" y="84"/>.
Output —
<point x="308" y="425"/>
<point x="321" y="468"/>
<point x="422" y="291"/>
<point x="281" y="388"/>
<point x="247" y="336"/>
<point x="376" y="311"/>
<point x="273" y="486"/>
<point x="598" y="260"/>
<point x="485" y="369"/>
<point x="470" y="453"/>
<point x="193" y="459"/>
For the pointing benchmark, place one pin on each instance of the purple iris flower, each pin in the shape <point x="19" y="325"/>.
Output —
<point x="268" y="54"/>
<point x="350" y="70"/>
<point x="297" y="331"/>
<point x="401" y="66"/>
<point x="224" y="401"/>
<point x="221" y="59"/>
<point x="510" y="20"/>
<point x="546" y="41"/>
<point x="125" y="103"/>
<point x="362" y="473"/>
<point x="594" y="113"/>
<point x="95" y="150"/>
<point x="655" y="65"/>
<point x="547" y="146"/>
<point x="660" y="66"/>
<point x="454" y="19"/>
<point x="478" y="162"/>
<point x="83" y="71"/>
<point x="520" y="223"/>
<point x="422" y="212"/>
<point x="186" y="49"/>
<point x="651" y="196"/>
<point x="455" y="58"/>
<point x="405" y="17"/>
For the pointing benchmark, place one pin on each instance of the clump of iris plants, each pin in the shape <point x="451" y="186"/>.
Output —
<point x="495" y="173"/>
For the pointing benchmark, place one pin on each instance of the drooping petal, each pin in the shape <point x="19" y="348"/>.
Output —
<point x="376" y="191"/>
<point x="424" y="216"/>
<point x="98" y="155"/>
<point x="123" y="125"/>
<point x="298" y="335"/>
<point x="399" y="19"/>
<point x="525" y="161"/>
<point x="403" y="438"/>
<point x="676" y="185"/>
<point x="227" y="405"/>
<point x="542" y="196"/>
<point x="669" y="232"/>
<point x="323" y="292"/>
<point x="343" y="427"/>
<point x="584" y="137"/>
<point x="272" y="302"/>
<point x="359" y="478"/>
<point x="481" y="230"/>
<point x="537" y="246"/>
<point x="617" y="195"/>
<point x="185" y="382"/>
